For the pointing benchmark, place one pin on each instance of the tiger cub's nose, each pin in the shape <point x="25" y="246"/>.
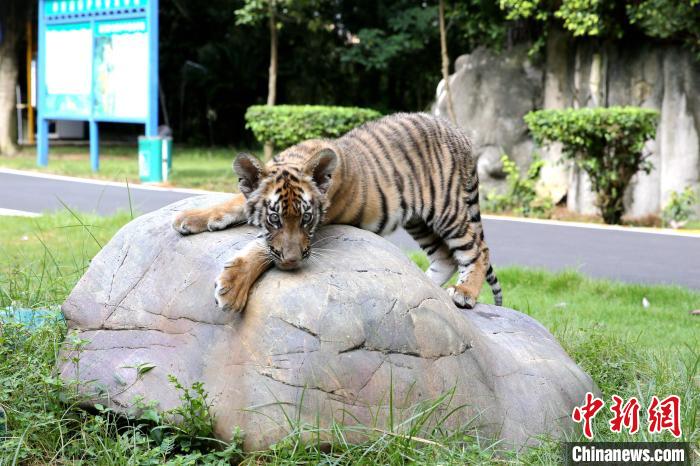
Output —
<point x="289" y="264"/>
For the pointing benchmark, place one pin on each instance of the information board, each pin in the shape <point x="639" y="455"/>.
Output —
<point x="98" y="62"/>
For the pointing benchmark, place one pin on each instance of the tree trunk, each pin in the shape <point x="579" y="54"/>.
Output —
<point x="8" y="82"/>
<point x="446" y="63"/>
<point x="272" y="78"/>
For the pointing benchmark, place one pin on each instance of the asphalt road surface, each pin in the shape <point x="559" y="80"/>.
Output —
<point x="626" y="255"/>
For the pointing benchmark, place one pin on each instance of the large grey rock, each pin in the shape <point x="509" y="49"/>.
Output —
<point x="490" y="110"/>
<point x="325" y="342"/>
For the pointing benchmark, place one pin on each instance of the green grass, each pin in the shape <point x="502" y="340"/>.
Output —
<point x="42" y="258"/>
<point x="568" y="300"/>
<point x="692" y="225"/>
<point x="629" y="350"/>
<point x="199" y="168"/>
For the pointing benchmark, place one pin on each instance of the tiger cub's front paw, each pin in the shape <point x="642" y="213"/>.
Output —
<point x="190" y="222"/>
<point x="461" y="299"/>
<point x="232" y="287"/>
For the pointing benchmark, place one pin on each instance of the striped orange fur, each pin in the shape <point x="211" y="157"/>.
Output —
<point x="410" y="170"/>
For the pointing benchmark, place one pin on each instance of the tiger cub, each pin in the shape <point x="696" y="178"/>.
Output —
<point x="412" y="170"/>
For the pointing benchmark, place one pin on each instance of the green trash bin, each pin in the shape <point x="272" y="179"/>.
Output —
<point x="155" y="158"/>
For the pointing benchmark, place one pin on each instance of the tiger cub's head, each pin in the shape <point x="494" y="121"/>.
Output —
<point x="288" y="201"/>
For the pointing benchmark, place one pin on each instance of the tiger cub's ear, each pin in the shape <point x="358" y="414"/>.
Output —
<point x="249" y="171"/>
<point x="321" y="167"/>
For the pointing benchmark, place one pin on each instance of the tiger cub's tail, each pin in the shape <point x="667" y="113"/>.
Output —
<point x="495" y="286"/>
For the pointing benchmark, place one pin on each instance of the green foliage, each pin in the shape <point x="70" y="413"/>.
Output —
<point x="607" y="143"/>
<point x="578" y="17"/>
<point x="668" y="19"/>
<point x="521" y="196"/>
<point x="664" y="19"/>
<point x="254" y="11"/>
<point x="286" y="125"/>
<point x="476" y="23"/>
<point x="581" y="17"/>
<point x="409" y="30"/>
<point x="194" y="410"/>
<point x="679" y="208"/>
<point x="304" y="12"/>
<point x="406" y="32"/>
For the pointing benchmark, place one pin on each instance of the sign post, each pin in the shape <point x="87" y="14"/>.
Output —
<point x="98" y="62"/>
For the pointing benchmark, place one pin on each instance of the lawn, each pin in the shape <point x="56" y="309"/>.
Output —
<point x="199" y="168"/>
<point x="628" y="349"/>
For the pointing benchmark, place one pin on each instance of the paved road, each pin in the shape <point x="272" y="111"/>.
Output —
<point x="631" y="256"/>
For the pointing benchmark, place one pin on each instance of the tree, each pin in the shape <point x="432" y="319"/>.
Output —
<point x="445" y="62"/>
<point x="253" y="12"/>
<point x="13" y="15"/>
<point x="274" y="11"/>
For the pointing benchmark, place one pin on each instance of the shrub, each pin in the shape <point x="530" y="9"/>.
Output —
<point x="286" y="125"/>
<point x="607" y="143"/>
<point x="679" y="208"/>
<point x="521" y="196"/>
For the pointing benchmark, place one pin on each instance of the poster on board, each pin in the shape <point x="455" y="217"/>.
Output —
<point x="121" y="70"/>
<point x="68" y="69"/>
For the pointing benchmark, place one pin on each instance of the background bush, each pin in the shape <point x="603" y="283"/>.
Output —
<point x="286" y="125"/>
<point x="680" y="207"/>
<point x="607" y="143"/>
<point x="521" y="197"/>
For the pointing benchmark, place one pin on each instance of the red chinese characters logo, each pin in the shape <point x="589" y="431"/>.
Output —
<point x="665" y="415"/>
<point x="625" y="416"/>
<point x="661" y="414"/>
<point x="587" y="412"/>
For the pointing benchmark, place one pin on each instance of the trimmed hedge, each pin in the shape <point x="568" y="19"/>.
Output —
<point x="607" y="143"/>
<point x="286" y="125"/>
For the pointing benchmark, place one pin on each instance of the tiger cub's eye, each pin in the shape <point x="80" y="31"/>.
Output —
<point x="306" y="218"/>
<point x="273" y="218"/>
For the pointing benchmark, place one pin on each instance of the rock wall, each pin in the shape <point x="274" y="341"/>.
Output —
<point x="584" y="74"/>
<point x="490" y="109"/>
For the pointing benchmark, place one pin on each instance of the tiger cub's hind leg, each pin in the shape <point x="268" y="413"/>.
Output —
<point x="442" y="264"/>
<point x="472" y="257"/>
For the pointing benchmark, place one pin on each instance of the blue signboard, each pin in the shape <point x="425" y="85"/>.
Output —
<point x="98" y="62"/>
